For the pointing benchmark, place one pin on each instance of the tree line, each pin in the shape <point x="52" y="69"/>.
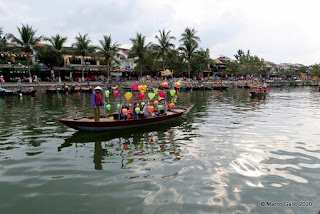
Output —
<point x="150" y="58"/>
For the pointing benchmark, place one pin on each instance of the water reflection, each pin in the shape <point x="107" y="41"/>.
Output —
<point x="130" y="146"/>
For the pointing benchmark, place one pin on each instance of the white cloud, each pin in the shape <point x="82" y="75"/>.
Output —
<point x="279" y="31"/>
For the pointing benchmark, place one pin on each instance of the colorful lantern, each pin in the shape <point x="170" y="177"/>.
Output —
<point x="155" y="102"/>
<point x="151" y="95"/>
<point x="116" y="93"/>
<point x="140" y="87"/>
<point x="171" y="105"/>
<point x="124" y="111"/>
<point x="172" y="92"/>
<point x="128" y="95"/>
<point x="140" y="96"/>
<point x="151" y="108"/>
<point x="107" y="93"/>
<point x="137" y="110"/>
<point x="144" y="87"/>
<point x="162" y="93"/>
<point x="134" y="86"/>
<point x="108" y="107"/>
<point x="177" y="85"/>
<point x="160" y="107"/>
<point x="164" y="84"/>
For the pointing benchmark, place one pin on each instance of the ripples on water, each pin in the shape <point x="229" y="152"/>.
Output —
<point x="229" y="154"/>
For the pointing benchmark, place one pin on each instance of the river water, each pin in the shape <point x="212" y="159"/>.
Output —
<point x="229" y="154"/>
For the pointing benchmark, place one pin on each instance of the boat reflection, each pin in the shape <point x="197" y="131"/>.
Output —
<point x="129" y="146"/>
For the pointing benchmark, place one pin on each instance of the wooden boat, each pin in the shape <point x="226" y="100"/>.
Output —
<point x="75" y="89"/>
<point x="220" y="88"/>
<point x="106" y="124"/>
<point x="26" y="92"/>
<point x="51" y="90"/>
<point x="86" y="90"/>
<point x="9" y="92"/>
<point x="259" y="92"/>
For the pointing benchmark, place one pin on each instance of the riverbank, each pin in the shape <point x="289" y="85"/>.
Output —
<point x="229" y="83"/>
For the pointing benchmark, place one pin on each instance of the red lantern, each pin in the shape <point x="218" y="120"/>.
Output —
<point x="140" y="96"/>
<point x="162" y="93"/>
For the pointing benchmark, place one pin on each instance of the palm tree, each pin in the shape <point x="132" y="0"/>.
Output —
<point x="139" y="48"/>
<point x="57" y="42"/>
<point x="204" y="58"/>
<point x="164" y="44"/>
<point x="189" y="34"/>
<point x="3" y="41"/>
<point x="189" y="48"/>
<point x="108" y="50"/>
<point x="27" y="41"/>
<point x="83" y="48"/>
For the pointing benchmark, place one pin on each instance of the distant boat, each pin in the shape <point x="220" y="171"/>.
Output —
<point x="51" y="90"/>
<point x="26" y="92"/>
<point x="259" y="91"/>
<point x="106" y="124"/>
<point x="86" y="90"/>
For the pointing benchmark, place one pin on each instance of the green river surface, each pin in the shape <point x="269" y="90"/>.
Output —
<point x="229" y="154"/>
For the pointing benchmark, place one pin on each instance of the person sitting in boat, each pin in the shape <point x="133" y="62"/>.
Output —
<point x="146" y="112"/>
<point x="97" y="102"/>
<point x="156" y="112"/>
<point x="162" y="102"/>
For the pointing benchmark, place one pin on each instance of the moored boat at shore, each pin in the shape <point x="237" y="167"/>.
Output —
<point x="106" y="124"/>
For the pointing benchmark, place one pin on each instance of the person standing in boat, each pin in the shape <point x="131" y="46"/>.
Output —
<point x="97" y="102"/>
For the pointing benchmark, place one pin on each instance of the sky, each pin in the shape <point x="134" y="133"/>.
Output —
<point x="282" y="31"/>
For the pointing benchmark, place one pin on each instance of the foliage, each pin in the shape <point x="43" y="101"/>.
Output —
<point x="82" y="45"/>
<point x="47" y="55"/>
<point x="3" y="41"/>
<point x="27" y="40"/>
<point x="150" y="64"/>
<point x="246" y="64"/>
<point x="175" y="63"/>
<point x="315" y="70"/>
<point x="164" y="45"/>
<point x="108" y="51"/>
<point x="189" y="46"/>
<point x="200" y="61"/>
<point x="139" y="48"/>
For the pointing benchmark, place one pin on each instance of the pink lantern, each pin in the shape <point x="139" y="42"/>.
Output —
<point x="116" y="93"/>
<point x="135" y="86"/>
<point x="52" y="86"/>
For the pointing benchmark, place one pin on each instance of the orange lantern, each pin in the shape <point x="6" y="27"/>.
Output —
<point x="155" y="102"/>
<point x="177" y="85"/>
<point x="164" y="84"/>
<point x="124" y="111"/>
<point x="151" y="108"/>
<point x="140" y="88"/>
<point x="171" y="105"/>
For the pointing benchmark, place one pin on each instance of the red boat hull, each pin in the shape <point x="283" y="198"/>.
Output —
<point x="105" y="124"/>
